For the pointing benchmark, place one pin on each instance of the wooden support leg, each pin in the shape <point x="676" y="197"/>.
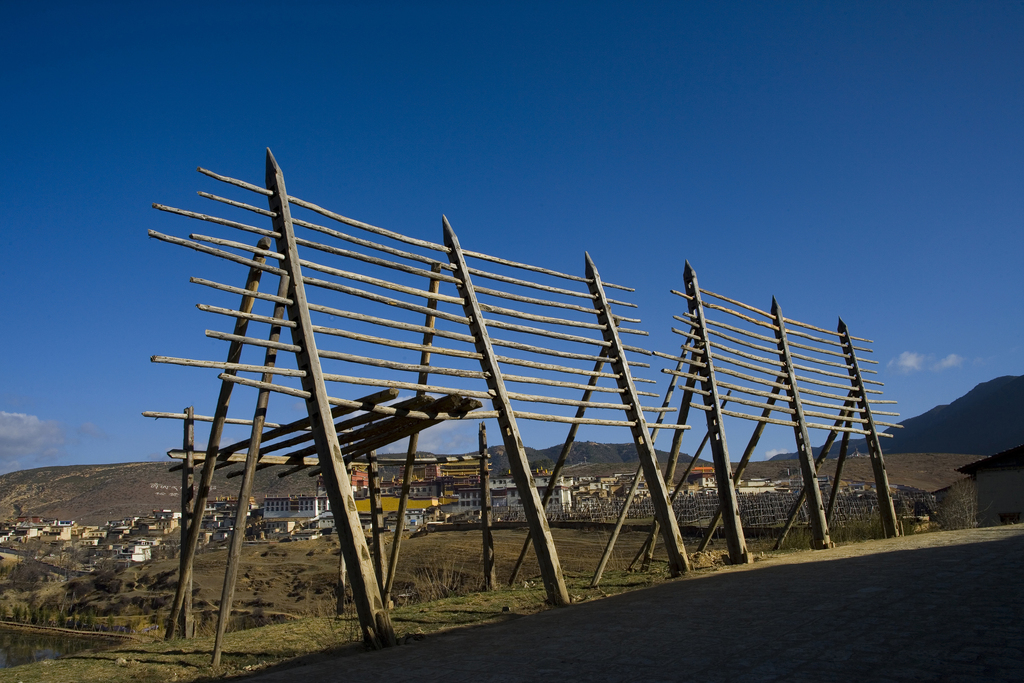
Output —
<point x="659" y="494"/>
<point x="794" y="511"/>
<point x="740" y="469"/>
<point x="376" y="518"/>
<point x="373" y="617"/>
<point x="490" y="581"/>
<point x="673" y="457"/>
<point x="886" y="508"/>
<point x="339" y="589"/>
<point x="820" y="539"/>
<point x="646" y="550"/>
<point x="227" y="594"/>
<point x="837" y="479"/>
<point x="220" y="414"/>
<point x="186" y="623"/>
<point x="563" y="455"/>
<point x="414" y="441"/>
<point x="734" y="537"/>
<point x="543" y="543"/>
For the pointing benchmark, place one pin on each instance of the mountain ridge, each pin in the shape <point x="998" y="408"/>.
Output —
<point x="986" y="420"/>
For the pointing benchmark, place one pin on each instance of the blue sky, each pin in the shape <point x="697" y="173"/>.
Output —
<point x="854" y="159"/>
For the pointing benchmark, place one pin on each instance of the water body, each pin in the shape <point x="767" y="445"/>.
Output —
<point x="24" y="647"/>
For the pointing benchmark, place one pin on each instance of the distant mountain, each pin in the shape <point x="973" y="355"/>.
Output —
<point x="986" y="420"/>
<point x="583" y="452"/>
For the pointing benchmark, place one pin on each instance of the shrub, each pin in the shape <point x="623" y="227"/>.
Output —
<point x="959" y="509"/>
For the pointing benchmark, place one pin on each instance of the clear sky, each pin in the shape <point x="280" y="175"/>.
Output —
<point x="855" y="159"/>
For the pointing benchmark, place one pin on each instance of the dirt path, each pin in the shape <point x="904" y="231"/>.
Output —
<point x="936" y="607"/>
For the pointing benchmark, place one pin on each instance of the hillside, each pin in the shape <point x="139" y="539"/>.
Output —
<point x="93" y="494"/>
<point x="986" y="420"/>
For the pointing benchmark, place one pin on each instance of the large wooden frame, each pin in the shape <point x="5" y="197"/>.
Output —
<point x="375" y="421"/>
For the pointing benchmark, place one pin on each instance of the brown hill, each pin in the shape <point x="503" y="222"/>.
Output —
<point x="93" y="494"/>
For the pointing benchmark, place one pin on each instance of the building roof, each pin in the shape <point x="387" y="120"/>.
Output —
<point x="1013" y="457"/>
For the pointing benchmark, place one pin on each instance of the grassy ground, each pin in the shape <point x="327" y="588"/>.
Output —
<point x="294" y="580"/>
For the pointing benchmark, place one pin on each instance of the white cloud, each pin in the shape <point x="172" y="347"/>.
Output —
<point x="769" y="454"/>
<point x="950" y="361"/>
<point x="26" y="438"/>
<point x="451" y="437"/>
<point x="908" y="361"/>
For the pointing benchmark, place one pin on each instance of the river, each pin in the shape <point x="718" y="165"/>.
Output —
<point x="19" y="646"/>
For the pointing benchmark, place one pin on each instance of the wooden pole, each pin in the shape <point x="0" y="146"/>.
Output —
<point x="187" y="625"/>
<point x="376" y="517"/>
<point x="648" y="548"/>
<point x="735" y="539"/>
<point x="490" y="581"/>
<point x="738" y="474"/>
<point x="544" y="544"/>
<point x="227" y="594"/>
<point x="635" y="485"/>
<point x="659" y="494"/>
<point x="373" y="617"/>
<point x="339" y="589"/>
<point x="836" y="480"/>
<point x="414" y="442"/>
<point x="220" y="414"/>
<point x="808" y="468"/>
<point x="794" y="511"/>
<point x="563" y="456"/>
<point x="886" y="508"/>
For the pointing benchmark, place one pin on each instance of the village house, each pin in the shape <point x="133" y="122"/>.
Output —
<point x="999" y="480"/>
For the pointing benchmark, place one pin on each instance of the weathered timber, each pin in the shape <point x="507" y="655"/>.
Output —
<point x="547" y="556"/>
<point x="808" y="468"/>
<point x="414" y="440"/>
<point x="635" y="485"/>
<point x="677" y="560"/>
<point x="213" y="444"/>
<point x="187" y="624"/>
<point x="887" y="510"/>
<point x="735" y="539"/>
<point x="563" y="455"/>
<point x="490" y="579"/>
<point x="373" y="617"/>
<point x="227" y="595"/>
<point x="376" y="518"/>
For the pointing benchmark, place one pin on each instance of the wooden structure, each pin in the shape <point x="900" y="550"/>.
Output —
<point x="335" y="292"/>
<point x="791" y="373"/>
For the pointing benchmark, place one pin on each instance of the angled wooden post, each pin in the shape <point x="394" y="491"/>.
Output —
<point x="543" y="543"/>
<point x="663" y="512"/>
<point x="414" y="442"/>
<point x="563" y="455"/>
<point x="741" y="467"/>
<point x="490" y="581"/>
<point x="376" y="518"/>
<point x="837" y="478"/>
<point x="188" y="549"/>
<point x="340" y="588"/>
<point x="373" y="617"/>
<point x="676" y="442"/>
<point x="187" y="625"/>
<point x="794" y="510"/>
<point x="816" y="509"/>
<point x="735" y="539"/>
<point x="227" y="594"/>
<point x="890" y="525"/>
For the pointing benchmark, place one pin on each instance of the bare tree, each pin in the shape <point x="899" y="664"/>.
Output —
<point x="959" y="509"/>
